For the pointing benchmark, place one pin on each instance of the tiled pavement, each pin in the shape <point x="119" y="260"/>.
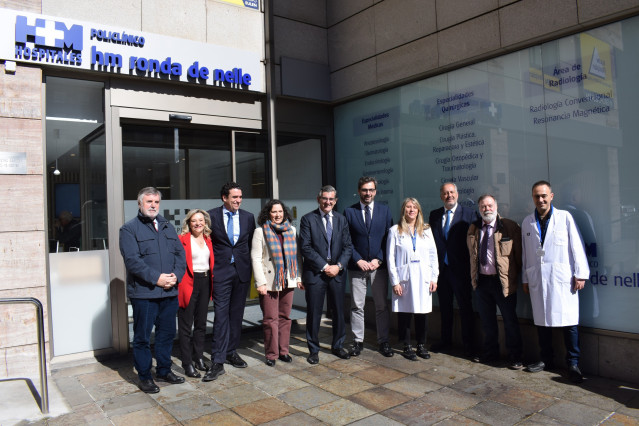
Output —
<point x="367" y="390"/>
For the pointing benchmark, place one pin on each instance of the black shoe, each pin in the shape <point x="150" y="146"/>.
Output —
<point x="189" y="370"/>
<point x="171" y="378"/>
<point x="148" y="386"/>
<point x="356" y="349"/>
<point x="201" y="365"/>
<point x="409" y="353"/>
<point x="340" y="353"/>
<point x="313" y="358"/>
<point x="385" y="349"/>
<point x="537" y="367"/>
<point x="285" y="358"/>
<point x="236" y="361"/>
<point x="485" y="359"/>
<point x="574" y="373"/>
<point x="422" y="352"/>
<point x="441" y="347"/>
<point x="216" y="371"/>
<point x="270" y="362"/>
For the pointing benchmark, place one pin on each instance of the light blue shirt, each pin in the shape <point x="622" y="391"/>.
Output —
<point x="236" y="223"/>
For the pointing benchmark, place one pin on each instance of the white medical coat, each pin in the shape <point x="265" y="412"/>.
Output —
<point x="414" y="277"/>
<point x="549" y="276"/>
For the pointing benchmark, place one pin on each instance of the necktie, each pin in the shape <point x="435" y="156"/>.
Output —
<point x="329" y="233"/>
<point x="446" y="229"/>
<point x="155" y="224"/>
<point x="483" y="254"/>
<point x="367" y="214"/>
<point x="447" y="224"/>
<point x="229" y="228"/>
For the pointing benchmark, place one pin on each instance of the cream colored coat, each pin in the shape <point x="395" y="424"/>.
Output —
<point x="263" y="268"/>
<point x="550" y="276"/>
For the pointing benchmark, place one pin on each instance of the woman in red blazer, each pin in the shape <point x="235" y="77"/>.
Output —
<point x="195" y="290"/>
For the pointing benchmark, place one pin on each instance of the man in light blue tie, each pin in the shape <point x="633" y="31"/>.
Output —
<point x="326" y="246"/>
<point x="449" y="225"/>
<point x="231" y="233"/>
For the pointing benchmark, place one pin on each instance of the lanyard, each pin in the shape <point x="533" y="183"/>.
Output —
<point x="414" y="238"/>
<point x="538" y="220"/>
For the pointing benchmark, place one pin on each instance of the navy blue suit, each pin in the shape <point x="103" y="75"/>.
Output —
<point x="369" y="245"/>
<point x="314" y="246"/>
<point x="454" y="277"/>
<point x="230" y="282"/>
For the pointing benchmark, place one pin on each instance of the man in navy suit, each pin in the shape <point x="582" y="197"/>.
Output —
<point x="326" y="247"/>
<point x="368" y="223"/>
<point x="231" y="234"/>
<point x="450" y="225"/>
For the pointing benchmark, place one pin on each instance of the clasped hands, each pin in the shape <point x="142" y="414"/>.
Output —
<point x="167" y="281"/>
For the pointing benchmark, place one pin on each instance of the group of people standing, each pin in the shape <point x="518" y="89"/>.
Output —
<point x="458" y="250"/>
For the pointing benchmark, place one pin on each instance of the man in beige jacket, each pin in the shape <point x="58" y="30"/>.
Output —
<point x="494" y="244"/>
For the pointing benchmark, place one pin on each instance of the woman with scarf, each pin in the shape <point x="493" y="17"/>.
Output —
<point x="277" y="271"/>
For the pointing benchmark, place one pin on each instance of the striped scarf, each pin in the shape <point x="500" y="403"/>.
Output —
<point x="275" y="247"/>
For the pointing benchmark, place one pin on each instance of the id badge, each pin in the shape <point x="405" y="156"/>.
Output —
<point x="414" y="258"/>
<point x="540" y="252"/>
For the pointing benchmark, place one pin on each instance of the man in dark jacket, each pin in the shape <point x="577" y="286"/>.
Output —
<point x="155" y="261"/>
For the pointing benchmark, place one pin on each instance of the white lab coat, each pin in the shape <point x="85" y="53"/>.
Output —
<point x="549" y="277"/>
<point x="414" y="277"/>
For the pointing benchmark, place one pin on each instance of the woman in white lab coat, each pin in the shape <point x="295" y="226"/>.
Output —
<point x="413" y="272"/>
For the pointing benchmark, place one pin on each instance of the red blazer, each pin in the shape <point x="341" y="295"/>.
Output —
<point x="185" y="288"/>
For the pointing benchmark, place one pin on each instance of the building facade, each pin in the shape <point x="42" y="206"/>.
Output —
<point x="284" y="96"/>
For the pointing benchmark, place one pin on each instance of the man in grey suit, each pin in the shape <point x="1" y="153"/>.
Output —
<point x="368" y="223"/>
<point x="326" y="246"/>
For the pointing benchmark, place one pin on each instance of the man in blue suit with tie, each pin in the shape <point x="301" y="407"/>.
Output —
<point x="450" y="225"/>
<point x="368" y="223"/>
<point x="326" y="246"/>
<point x="231" y="234"/>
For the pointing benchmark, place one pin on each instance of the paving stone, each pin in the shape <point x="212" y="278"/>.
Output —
<point x="525" y="399"/>
<point x="494" y="413"/>
<point x="111" y="390"/>
<point x="307" y="397"/>
<point x="376" y="420"/>
<point x="451" y="399"/>
<point x="299" y="418"/>
<point x="224" y="381"/>
<point x="379" y="399"/>
<point x="413" y="386"/>
<point x="281" y="384"/>
<point x="458" y="419"/>
<point x="417" y="412"/>
<point x="443" y="375"/>
<point x="174" y="393"/>
<point x="631" y="408"/>
<point x="340" y="412"/>
<point x="82" y="414"/>
<point x="481" y="387"/>
<point x="238" y="395"/>
<point x="379" y="375"/>
<point x="540" y="419"/>
<point x="253" y="374"/>
<point x="348" y="366"/>
<point x="575" y="413"/>
<point x="155" y="416"/>
<point x="73" y="392"/>
<point x="316" y="374"/>
<point x="192" y="407"/>
<point x="345" y="386"/>
<point x="100" y="377"/>
<point x="126" y="404"/>
<point x="264" y="410"/>
<point x="220" y="418"/>
<point x="620" y="419"/>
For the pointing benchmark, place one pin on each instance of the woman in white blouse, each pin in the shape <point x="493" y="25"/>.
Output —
<point x="195" y="290"/>
<point x="413" y="272"/>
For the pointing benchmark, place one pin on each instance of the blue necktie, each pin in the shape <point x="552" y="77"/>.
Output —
<point x="367" y="212"/>
<point x="329" y="233"/>
<point x="230" y="233"/>
<point x="446" y="229"/>
<point x="483" y="253"/>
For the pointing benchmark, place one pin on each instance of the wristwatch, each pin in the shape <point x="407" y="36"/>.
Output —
<point x="340" y="266"/>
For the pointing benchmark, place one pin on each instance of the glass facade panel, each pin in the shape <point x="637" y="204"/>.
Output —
<point x="563" y="111"/>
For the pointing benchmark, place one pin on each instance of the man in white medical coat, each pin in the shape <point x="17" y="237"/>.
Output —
<point x="555" y="268"/>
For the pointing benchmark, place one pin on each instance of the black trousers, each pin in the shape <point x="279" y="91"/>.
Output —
<point x="193" y="317"/>
<point x="449" y="287"/>
<point x="403" y="327"/>
<point x="315" y="293"/>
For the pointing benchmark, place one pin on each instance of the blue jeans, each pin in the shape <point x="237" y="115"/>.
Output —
<point x="146" y="314"/>
<point x="571" y="340"/>
<point x="490" y="295"/>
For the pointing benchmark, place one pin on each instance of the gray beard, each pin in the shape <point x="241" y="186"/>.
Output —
<point x="489" y="217"/>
